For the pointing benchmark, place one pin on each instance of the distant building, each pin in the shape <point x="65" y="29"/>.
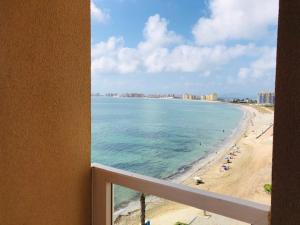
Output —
<point x="209" y="97"/>
<point x="96" y="94"/>
<point x="162" y="96"/>
<point x="243" y="100"/>
<point x="185" y="96"/>
<point x="266" y="98"/>
<point x="132" y="95"/>
<point x="212" y="97"/>
<point x="111" y="94"/>
<point x="188" y="97"/>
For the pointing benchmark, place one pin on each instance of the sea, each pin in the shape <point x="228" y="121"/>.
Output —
<point x="160" y="138"/>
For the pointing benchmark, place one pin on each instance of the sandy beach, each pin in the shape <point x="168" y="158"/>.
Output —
<point x="249" y="170"/>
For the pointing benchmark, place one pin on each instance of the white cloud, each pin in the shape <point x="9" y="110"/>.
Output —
<point x="190" y="58"/>
<point x="165" y="51"/>
<point x="156" y="34"/>
<point x="162" y="51"/>
<point x="236" y="19"/>
<point x="98" y="14"/>
<point x="260" y="68"/>
<point x="112" y="56"/>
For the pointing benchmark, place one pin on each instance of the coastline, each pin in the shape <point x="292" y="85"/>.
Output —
<point x="250" y="170"/>
<point x="197" y="165"/>
<point x="221" y="149"/>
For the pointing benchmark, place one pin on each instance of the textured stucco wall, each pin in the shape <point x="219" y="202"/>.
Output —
<point x="286" y="157"/>
<point x="45" y="112"/>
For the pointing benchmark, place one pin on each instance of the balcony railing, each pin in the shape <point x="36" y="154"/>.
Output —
<point x="104" y="177"/>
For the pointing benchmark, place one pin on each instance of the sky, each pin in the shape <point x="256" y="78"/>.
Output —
<point x="176" y="46"/>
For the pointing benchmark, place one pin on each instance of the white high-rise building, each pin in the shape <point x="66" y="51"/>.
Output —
<point x="266" y="98"/>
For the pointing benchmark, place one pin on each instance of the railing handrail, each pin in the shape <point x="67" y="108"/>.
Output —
<point x="235" y="208"/>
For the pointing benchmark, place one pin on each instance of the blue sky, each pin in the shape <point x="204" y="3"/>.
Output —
<point x="175" y="46"/>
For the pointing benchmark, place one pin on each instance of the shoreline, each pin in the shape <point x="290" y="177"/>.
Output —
<point x="198" y="165"/>
<point x="250" y="169"/>
<point x="221" y="149"/>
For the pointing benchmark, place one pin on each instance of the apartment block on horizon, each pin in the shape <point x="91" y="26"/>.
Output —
<point x="209" y="97"/>
<point x="212" y="97"/>
<point x="266" y="98"/>
<point x="188" y="96"/>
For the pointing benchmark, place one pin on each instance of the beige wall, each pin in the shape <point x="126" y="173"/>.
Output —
<point x="45" y="112"/>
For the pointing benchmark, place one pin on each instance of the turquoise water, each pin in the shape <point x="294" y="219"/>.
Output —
<point x="157" y="137"/>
